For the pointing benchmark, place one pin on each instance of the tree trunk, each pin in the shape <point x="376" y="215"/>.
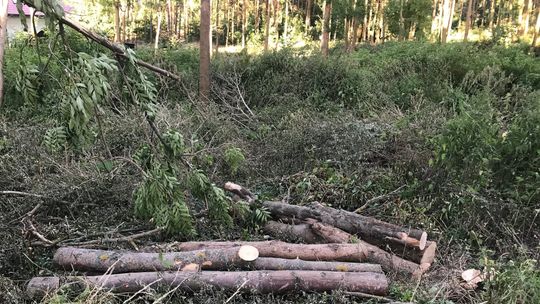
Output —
<point x="257" y="16"/>
<point x="435" y="15"/>
<point x="326" y="27"/>
<point x="468" y="20"/>
<point x="367" y="228"/>
<point x="169" y="16"/>
<point x="249" y="281"/>
<point x="267" y="26"/>
<point x="286" y="23"/>
<point x="208" y="259"/>
<point x="307" y="22"/>
<point x="217" y="27"/>
<point x="3" y="40"/>
<point x="117" y="21"/>
<point x="524" y="18"/>
<point x="537" y="27"/>
<point x="204" y="51"/>
<point x="354" y="39"/>
<point x="158" y="31"/>
<point x="358" y="252"/>
<point x="448" y="13"/>
<point x="492" y="16"/>
<point x="244" y="23"/>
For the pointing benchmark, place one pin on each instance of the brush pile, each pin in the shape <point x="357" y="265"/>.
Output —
<point x="339" y="250"/>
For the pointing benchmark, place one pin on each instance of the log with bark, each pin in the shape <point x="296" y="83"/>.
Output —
<point x="254" y="281"/>
<point x="245" y="257"/>
<point x="316" y="232"/>
<point x="359" y="252"/>
<point x="120" y="262"/>
<point x="367" y="228"/>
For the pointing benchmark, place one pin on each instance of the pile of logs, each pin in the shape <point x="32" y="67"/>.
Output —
<point x="340" y="250"/>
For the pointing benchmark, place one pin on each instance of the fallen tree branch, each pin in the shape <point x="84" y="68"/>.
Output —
<point x="129" y="238"/>
<point x="251" y="281"/>
<point x="115" y="48"/>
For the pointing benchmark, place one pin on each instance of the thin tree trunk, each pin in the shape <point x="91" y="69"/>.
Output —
<point x="267" y="25"/>
<point x="3" y="40"/>
<point x="537" y="27"/>
<point x="346" y="31"/>
<point x="204" y="51"/>
<point x="326" y="27"/>
<point x="244" y="23"/>
<point x="124" y="25"/>
<point x="227" y="28"/>
<point x="117" y="21"/>
<point x="169" y="16"/>
<point x="468" y="20"/>
<point x="233" y="22"/>
<point x="354" y="38"/>
<point x="461" y="7"/>
<point x="435" y="16"/>
<point x="492" y="16"/>
<point x="381" y="21"/>
<point x="448" y="13"/>
<point x="286" y="23"/>
<point x="158" y="31"/>
<point x="246" y="281"/>
<point x="176" y="19"/>
<point x="217" y="27"/>
<point x="524" y="19"/>
<point x="401" y="21"/>
<point x="257" y="16"/>
<point x="307" y="23"/>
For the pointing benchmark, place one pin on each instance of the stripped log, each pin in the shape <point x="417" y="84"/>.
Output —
<point x="254" y="281"/>
<point x="119" y="262"/>
<point x="245" y="257"/>
<point x="359" y="252"/>
<point x="367" y="228"/>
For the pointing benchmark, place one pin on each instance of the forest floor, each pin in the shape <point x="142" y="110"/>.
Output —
<point x="422" y="118"/>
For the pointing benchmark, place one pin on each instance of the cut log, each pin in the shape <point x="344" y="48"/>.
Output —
<point x="121" y="262"/>
<point x="368" y="228"/>
<point x="283" y="231"/>
<point x="329" y="233"/>
<point x="254" y="281"/>
<point x="359" y="252"/>
<point x="297" y="264"/>
<point x="242" y="192"/>
<point x="332" y="234"/>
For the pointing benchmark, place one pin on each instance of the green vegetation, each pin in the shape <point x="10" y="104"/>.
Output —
<point x="454" y="128"/>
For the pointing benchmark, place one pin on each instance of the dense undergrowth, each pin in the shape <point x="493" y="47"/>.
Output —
<point x="452" y="132"/>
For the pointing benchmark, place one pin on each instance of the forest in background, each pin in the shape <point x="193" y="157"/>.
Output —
<point x="395" y="114"/>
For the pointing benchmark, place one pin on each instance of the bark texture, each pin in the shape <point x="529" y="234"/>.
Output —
<point x="368" y="228"/>
<point x="120" y="262"/>
<point x="204" y="52"/>
<point x="360" y="252"/>
<point x="254" y="281"/>
<point x="3" y="40"/>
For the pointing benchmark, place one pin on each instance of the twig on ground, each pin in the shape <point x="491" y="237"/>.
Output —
<point x="378" y="199"/>
<point x="129" y="239"/>
<point x="370" y="296"/>
<point x="236" y="292"/>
